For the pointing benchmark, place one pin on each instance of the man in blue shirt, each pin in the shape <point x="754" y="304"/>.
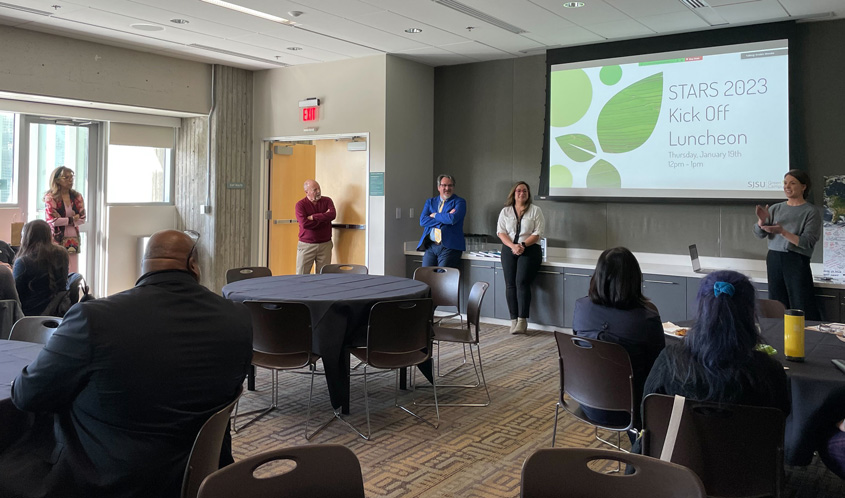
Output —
<point x="442" y="219"/>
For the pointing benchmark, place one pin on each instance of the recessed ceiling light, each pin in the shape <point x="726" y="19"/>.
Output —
<point x="294" y="48"/>
<point x="573" y="5"/>
<point x="180" y="21"/>
<point x="413" y="30"/>
<point x="147" y="27"/>
<point x="248" y="11"/>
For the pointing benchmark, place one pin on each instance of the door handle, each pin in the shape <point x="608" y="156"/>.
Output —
<point x="282" y="222"/>
<point x="352" y="227"/>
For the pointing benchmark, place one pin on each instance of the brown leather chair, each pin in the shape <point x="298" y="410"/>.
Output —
<point x="564" y="472"/>
<point x="37" y="329"/>
<point x="596" y="374"/>
<point x="205" y="455"/>
<point x="469" y="336"/>
<point x="736" y="450"/>
<point x="399" y="335"/>
<point x="243" y="273"/>
<point x="770" y="308"/>
<point x="321" y="470"/>
<point x="345" y="268"/>
<point x="281" y="340"/>
<point x="445" y="284"/>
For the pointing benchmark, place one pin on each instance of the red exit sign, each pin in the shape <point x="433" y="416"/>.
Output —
<point x="309" y="114"/>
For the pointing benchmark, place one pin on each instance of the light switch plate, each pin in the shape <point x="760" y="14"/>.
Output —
<point x="411" y="213"/>
<point x="398" y="213"/>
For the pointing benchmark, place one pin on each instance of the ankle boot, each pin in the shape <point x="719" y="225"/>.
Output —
<point x="521" y="326"/>
<point x="513" y="326"/>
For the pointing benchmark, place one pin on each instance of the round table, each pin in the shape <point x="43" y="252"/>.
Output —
<point x="340" y="309"/>
<point x="14" y="355"/>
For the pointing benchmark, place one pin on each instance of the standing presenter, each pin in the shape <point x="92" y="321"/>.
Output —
<point x="792" y="228"/>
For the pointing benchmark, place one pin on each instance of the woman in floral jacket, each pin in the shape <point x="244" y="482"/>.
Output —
<point x="65" y="211"/>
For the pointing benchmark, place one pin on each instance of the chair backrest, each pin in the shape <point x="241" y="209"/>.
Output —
<point x="10" y="312"/>
<point x="595" y="373"/>
<point x="311" y="477"/>
<point x="476" y="295"/>
<point x="281" y="334"/>
<point x="37" y="329"/>
<point x="205" y="454"/>
<point x="345" y="268"/>
<point x="563" y="472"/>
<point x="736" y="450"/>
<point x="236" y="274"/>
<point x="445" y="283"/>
<point x="399" y="333"/>
<point x="770" y="308"/>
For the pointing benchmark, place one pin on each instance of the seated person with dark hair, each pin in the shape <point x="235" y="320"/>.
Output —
<point x="718" y="360"/>
<point x="126" y="383"/>
<point x="616" y="311"/>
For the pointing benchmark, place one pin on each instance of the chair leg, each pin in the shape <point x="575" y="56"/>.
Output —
<point x="339" y="416"/>
<point x="479" y="378"/>
<point x="308" y="413"/>
<point x="554" y="429"/>
<point x="618" y="444"/>
<point x="274" y="398"/>
<point x="405" y="409"/>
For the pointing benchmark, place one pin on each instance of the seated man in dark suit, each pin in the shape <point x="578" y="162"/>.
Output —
<point x="126" y="382"/>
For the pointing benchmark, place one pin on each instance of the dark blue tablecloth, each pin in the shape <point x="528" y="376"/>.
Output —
<point x="340" y="308"/>
<point x="14" y="355"/>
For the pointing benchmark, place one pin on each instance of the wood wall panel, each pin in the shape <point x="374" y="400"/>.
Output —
<point x="226" y="230"/>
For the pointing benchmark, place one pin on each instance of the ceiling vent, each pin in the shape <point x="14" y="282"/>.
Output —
<point x="466" y="9"/>
<point x="703" y="10"/>
<point x="25" y="9"/>
<point x="236" y="54"/>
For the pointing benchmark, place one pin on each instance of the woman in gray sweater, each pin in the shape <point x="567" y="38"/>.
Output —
<point x="793" y="228"/>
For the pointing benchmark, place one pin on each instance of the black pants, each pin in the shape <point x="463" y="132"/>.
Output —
<point x="791" y="282"/>
<point x="519" y="272"/>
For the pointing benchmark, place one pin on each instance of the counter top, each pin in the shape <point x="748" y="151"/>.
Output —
<point x="650" y="263"/>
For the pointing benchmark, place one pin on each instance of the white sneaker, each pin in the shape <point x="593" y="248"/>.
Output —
<point x="521" y="326"/>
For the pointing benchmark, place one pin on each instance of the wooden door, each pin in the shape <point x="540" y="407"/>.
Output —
<point x="290" y="166"/>
<point x="342" y="175"/>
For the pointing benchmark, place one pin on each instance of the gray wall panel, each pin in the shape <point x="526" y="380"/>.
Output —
<point x="483" y="143"/>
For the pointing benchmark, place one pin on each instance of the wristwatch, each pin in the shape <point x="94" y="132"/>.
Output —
<point x="523" y="245"/>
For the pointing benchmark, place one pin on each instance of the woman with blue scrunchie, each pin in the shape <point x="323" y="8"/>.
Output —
<point x="718" y="361"/>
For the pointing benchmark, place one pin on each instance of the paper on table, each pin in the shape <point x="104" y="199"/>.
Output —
<point x="670" y="328"/>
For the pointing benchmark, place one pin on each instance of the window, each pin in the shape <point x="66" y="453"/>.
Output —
<point x="138" y="174"/>
<point x="8" y="169"/>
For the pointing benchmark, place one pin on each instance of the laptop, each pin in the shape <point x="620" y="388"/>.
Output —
<point x="696" y="264"/>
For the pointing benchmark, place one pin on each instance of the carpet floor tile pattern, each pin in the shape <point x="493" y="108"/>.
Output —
<point x="475" y="452"/>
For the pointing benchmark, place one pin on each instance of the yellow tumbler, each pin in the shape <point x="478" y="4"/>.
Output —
<point x="793" y="335"/>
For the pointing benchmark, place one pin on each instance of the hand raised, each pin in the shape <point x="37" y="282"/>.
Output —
<point x="762" y="214"/>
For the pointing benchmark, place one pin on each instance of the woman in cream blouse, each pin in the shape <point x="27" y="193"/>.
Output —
<point x="520" y="228"/>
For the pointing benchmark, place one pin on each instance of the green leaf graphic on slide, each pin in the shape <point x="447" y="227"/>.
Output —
<point x="560" y="176"/>
<point x="603" y="175"/>
<point x="579" y="148"/>
<point x="573" y="93"/>
<point x="629" y="117"/>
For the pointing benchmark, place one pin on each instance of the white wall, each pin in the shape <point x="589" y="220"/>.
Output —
<point x="352" y="95"/>
<point x="36" y="63"/>
<point x="124" y="226"/>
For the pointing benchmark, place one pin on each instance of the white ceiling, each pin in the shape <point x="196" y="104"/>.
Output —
<point x="329" y="30"/>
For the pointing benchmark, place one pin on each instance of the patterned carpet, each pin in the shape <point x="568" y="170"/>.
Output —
<point x="476" y="452"/>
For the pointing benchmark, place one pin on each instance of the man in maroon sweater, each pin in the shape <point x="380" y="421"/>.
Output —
<point x="314" y="214"/>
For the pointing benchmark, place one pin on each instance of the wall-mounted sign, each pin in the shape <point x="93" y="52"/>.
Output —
<point x="377" y="184"/>
<point x="310" y="114"/>
<point x="235" y="185"/>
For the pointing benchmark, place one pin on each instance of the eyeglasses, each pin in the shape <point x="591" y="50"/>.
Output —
<point x="447" y="185"/>
<point x="195" y="236"/>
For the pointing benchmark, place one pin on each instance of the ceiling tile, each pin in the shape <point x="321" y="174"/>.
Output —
<point x="396" y="24"/>
<point x="593" y="12"/>
<point x="44" y="5"/>
<point x="674" y="22"/>
<point x="476" y="50"/>
<point x="300" y="36"/>
<point x="620" y="29"/>
<point x="341" y="8"/>
<point x="751" y="11"/>
<point x="811" y="7"/>
<point x="643" y="8"/>
<point x="280" y="46"/>
<point x="434" y="56"/>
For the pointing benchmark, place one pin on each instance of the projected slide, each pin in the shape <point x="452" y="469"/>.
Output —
<point x="709" y="123"/>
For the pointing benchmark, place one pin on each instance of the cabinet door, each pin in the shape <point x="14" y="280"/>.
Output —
<point x="547" y="297"/>
<point x="479" y="271"/>
<point x="828" y="302"/>
<point x="693" y="283"/>
<point x="669" y="294"/>
<point x="501" y="301"/>
<point x="576" y="284"/>
<point x="762" y="290"/>
<point x="411" y="264"/>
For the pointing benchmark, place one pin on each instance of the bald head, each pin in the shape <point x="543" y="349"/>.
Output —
<point x="170" y="250"/>
<point x="312" y="190"/>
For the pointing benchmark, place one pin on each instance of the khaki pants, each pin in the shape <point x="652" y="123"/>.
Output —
<point x="308" y="254"/>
